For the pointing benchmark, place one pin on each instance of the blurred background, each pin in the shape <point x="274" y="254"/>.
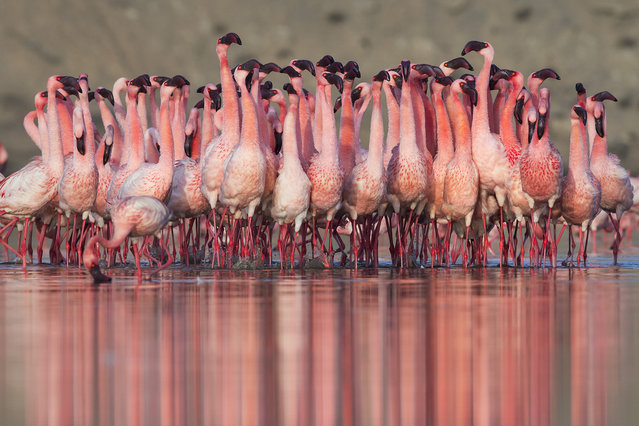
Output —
<point x="586" y="41"/>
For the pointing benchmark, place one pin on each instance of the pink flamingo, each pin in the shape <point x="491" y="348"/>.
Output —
<point x="25" y="192"/>
<point x="541" y="167"/>
<point x="307" y="144"/>
<point x="100" y="95"/>
<point x="155" y="179"/>
<point x="131" y="217"/>
<point x="219" y="149"/>
<point x="245" y="171"/>
<point x="105" y="174"/>
<point x="461" y="183"/>
<point x="488" y="151"/>
<point x="392" y="105"/>
<point x="365" y="187"/>
<point x="325" y="171"/>
<point x="409" y="176"/>
<point x="291" y="195"/>
<point x="581" y="191"/>
<point x="78" y="185"/>
<point x="133" y="141"/>
<point x="616" y="189"/>
<point x="347" y="142"/>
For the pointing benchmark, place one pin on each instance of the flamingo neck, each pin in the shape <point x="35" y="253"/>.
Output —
<point x="578" y="161"/>
<point x="135" y="136"/>
<point x="376" y="141"/>
<point x="508" y="134"/>
<point x="329" y="129"/>
<point x="462" y="127"/>
<point x="481" y="123"/>
<point x="290" y="134"/>
<point x="250" y="134"/>
<point x="600" y="144"/>
<point x="166" y="137"/>
<point x="407" y="135"/>
<point x="231" y="122"/>
<point x="347" y="128"/>
<point x="392" y="136"/>
<point x="42" y="132"/>
<point x="56" y="159"/>
<point x="444" y="130"/>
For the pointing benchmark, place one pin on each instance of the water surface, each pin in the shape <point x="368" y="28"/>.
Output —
<point x="386" y="347"/>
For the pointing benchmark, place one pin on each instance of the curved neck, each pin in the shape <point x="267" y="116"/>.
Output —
<point x="166" y="136"/>
<point x="43" y="134"/>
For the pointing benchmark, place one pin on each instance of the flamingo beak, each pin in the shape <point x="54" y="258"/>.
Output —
<point x="541" y="125"/>
<point x="98" y="276"/>
<point x="531" y="130"/>
<point x="108" y="148"/>
<point x="188" y="145"/>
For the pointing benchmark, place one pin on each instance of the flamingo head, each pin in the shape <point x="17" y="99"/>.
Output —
<point x="325" y="61"/>
<point x="476" y="46"/>
<point x="108" y="144"/>
<point x="288" y="87"/>
<point x="90" y="259"/>
<point x="352" y="66"/>
<point x="229" y="39"/>
<point x="579" y="113"/>
<point x="455" y="64"/>
<point x="157" y="80"/>
<point x="302" y="64"/>
<point x="335" y="67"/>
<point x="469" y="91"/>
<point x="599" y="114"/>
<point x="291" y="72"/>
<point x="405" y="69"/>
<point x="581" y="90"/>
<point x="338" y="103"/>
<point x="334" y="79"/>
<point x="105" y="94"/>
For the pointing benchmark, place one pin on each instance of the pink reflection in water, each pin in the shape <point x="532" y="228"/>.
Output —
<point x="442" y="348"/>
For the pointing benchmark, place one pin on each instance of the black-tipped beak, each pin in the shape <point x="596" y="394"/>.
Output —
<point x="335" y="67"/>
<point x="91" y="96"/>
<point x="325" y="61"/>
<point x="200" y="89"/>
<point x="599" y="127"/>
<point x="335" y="80"/>
<point x="583" y="115"/>
<point x="291" y="72"/>
<point x="603" y="96"/>
<point x="80" y="144"/>
<point x="270" y="67"/>
<point x="545" y="73"/>
<point x="199" y="104"/>
<point x="216" y="101"/>
<point x="351" y="75"/>
<point x="278" y="142"/>
<point x="541" y="124"/>
<point x="458" y="63"/>
<point x="188" y="145"/>
<point x="519" y="108"/>
<point x="304" y="64"/>
<point x="229" y="39"/>
<point x="405" y="66"/>
<point x="580" y="89"/>
<point x="106" y="94"/>
<point x="98" y="276"/>
<point x="474" y="46"/>
<point x="531" y="130"/>
<point x="69" y="81"/>
<point x="425" y="69"/>
<point x="338" y="103"/>
<point x="444" y="81"/>
<point x="108" y="148"/>
<point x="381" y="76"/>
<point x="288" y="87"/>
<point x="470" y="92"/>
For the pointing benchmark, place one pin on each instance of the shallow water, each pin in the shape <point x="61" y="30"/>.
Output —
<point x="442" y="347"/>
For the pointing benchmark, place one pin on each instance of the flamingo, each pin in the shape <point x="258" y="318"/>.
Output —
<point x="325" y="171"/>
<point x="392" y="105"/>
<point x="131" y="217"/>
<point x="461" y="182"/>
<point x="291" y="195"/>
<point x="155" y="179"/>
<point x="133" y="142"/>
<point x="220" y="147"/>
<point x="105" y="174"/>
<point x="365" y="187"/>
<point x="488" y="151"/>
<point x="616" y="188"/>
<point x="25" y="192"/>
<point x="100" y="95"/>
<point x="541" y="167"/>
<point x="347" y="142"/>
<point x="581" y="191"/>
<point x="78" y="185"/>
<point x="409" y="176"/>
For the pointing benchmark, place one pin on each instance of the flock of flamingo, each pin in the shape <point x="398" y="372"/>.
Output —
<point x="232" y="170"/>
